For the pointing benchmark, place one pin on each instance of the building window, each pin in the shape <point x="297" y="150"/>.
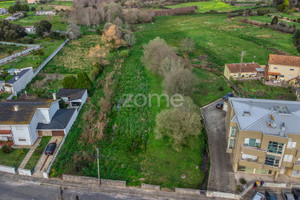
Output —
<point x="275" y="147"/>
<point x="275" y="68"/>
<point x="288" y="158"/>
<point x="292" y="69"/>
<point x="232" y="134"/>
<point x="252" y="142"/>
<point x="22" y="140"/>
<point x="282" y="76"/>
<point x="291" y="145"/>
<point x="272" y="160"/>
<point x="231" y="141"/>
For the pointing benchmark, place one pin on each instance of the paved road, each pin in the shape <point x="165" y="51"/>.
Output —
<point x="221" y="173"/>
<point x="15" y="187"/>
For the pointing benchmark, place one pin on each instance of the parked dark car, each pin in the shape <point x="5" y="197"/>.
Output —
<point x="270" y="195"/>
<point x="50" y="149"/>
<point x="227" y="96"/>
<point x="296" y="193"/>
<point x="219" y="105"/>
<point x="287" y="195"/>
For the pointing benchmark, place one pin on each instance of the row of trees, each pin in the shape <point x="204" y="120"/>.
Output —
<point x="18" y="7"/>
<point x="177" y="123"/>
<point x="11" y="32"/>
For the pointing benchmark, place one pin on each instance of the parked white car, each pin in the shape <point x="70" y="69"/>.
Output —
<point x="258" y="196"/>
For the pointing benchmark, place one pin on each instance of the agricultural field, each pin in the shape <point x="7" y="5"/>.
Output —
<point x="7" y="50"/>
<point x="34" y="61"/>
<point x="256" y="89"/>
<point x="77" y="55"/>
<point x="206" y="6"/>
<point x="14" y="158"/>
<point x="6" y="4"/>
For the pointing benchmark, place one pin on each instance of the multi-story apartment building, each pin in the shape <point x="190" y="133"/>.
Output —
<point x="264" y="136"/>
<point x="283" y="68"/>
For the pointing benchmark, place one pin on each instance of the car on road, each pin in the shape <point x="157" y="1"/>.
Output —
<point x="296" y="192"/>
<point x="270" y="195"/>
<point x="287" y="195"/>
<point x="258" y="196"/>
<point x="219" y="105"/>
<point x="227" y="96"/>
<point x="50" y="149"/>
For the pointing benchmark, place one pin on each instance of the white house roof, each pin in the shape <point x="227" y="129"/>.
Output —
<point x="273" y="117"/>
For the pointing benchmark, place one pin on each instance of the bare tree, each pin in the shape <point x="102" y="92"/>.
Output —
<point x="179" y="81"/>
<point x="132" y="15"/>
<point x="118" y="22"/>
<point x="73" y="31"/>
<point x="154" y="52"/>
<point x="130" y="38"/>
<point x="187" y="46"/>
<point x="168" y="64"/>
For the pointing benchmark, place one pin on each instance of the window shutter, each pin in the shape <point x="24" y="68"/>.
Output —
<point x="294" y="144"/>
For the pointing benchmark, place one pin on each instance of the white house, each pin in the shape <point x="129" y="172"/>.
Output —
<point x="3" y="11"/>
<point x="23" y="121"/>
<point x="75" y="98"/>
<point x="19" y="81"/>
<point x="45" y="12"/>
<point x="29" y="29"/>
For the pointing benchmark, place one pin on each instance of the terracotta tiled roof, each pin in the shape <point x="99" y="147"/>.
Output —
<point x="274" y="73"/>
<point x="5" y="132"/>
<point x="284" y="60"/>
<point x="246" y="67"/>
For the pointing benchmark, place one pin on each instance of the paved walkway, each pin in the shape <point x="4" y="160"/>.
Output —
<point x="30" y="152"/>
<point x="44" y="160"/>
<point x="221" y="176"/>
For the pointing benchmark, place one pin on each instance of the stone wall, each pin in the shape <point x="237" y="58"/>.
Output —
<point x="150" y="187"/>
<point x="91" y="180"/>
<point x="7" y="169"/>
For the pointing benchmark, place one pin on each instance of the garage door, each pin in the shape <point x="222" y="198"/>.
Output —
<point x="58" y="133"/>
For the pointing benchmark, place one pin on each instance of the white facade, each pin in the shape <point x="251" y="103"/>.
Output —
<point x="20" y="82"/>
<point x="2" y="11"/>
<point x="27" y="134"/>
<point x="81" y="101"/>
<point x="45" y="12"/>
<point x="29" y="29"/>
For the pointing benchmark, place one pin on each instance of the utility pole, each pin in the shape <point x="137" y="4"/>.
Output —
<point x="242" y="58"/>
<point x="98" y="164"/>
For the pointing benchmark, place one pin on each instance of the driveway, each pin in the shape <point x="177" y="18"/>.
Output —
<point x="221" y="177"/>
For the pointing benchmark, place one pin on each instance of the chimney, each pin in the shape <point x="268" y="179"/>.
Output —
<point x="17" y="77"/>
<point x="16" y="108"/>
<point x="54" y="96"/>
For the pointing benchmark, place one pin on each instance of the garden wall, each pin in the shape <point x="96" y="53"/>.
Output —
<point x="25" y="172"/>
<point x="22" y="53"/>
<point x="7" y="169"/>
<point x="91" y="180"/>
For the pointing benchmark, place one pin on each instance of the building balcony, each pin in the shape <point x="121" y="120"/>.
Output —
<point x="255" y="151"/>
<point x="296" y="166"/>
<point x="250" y="163"/>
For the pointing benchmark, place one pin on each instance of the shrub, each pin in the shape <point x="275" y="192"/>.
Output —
<point x="6" y="149"/>
<point x="33" y="9"/>
<point x="124" y="53"/>
<point x="274" y="20"/>
<point x="69" y="82"/>
<point x="239" y="188"/>
<point x="20" y="151"/>
<point x="243" y="181"/>
<point x="221" y="88"/>
<point x="83" y="81"/>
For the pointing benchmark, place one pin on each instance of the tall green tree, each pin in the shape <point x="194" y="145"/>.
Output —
<point x="43" y="27"/>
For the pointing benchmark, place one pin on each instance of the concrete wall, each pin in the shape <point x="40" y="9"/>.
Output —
<point x="91" y="180"/>
<point x="222" y="195"/>
<point x="7" y="169"/>
<point x="187" y="191"/>
<point x="25" y="172"/>
<point x="150" y="187"/>
<point x="22" y="53"/>
<point x="71" y="122"/>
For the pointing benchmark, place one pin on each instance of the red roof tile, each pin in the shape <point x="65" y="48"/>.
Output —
<point x="284" y="60"/>
<point x="246" y="67"/>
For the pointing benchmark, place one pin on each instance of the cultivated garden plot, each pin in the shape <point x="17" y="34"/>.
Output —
<point x="14" y="158"/>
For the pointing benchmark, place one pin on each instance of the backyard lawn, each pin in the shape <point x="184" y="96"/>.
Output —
<point x="7" y="50"/>
<point x="37" y="153"/>
<point x="255" y="89"/>
<point x="14" y="158"/>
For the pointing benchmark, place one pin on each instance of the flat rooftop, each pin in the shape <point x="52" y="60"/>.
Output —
<point x="273" y="117"/>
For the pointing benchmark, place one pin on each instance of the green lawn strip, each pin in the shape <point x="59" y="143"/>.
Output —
<point x="6" y="4"/>
<point x="206" y="6"/>
<point x="256" y="89"/>
<point x="266" y="19"/>
<point x="4" y="95"/>
<point x="14" y="158"/>
<point x="37" y="153"/>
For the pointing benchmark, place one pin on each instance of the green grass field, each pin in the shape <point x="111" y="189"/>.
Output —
<point x="266" y="19"/>
<point x="37" y="153"/>
<point x="7" y="50"/>
<point x="206" y="6"/>
<point x="14" y="158"/>
<point x="6" y="4"/>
